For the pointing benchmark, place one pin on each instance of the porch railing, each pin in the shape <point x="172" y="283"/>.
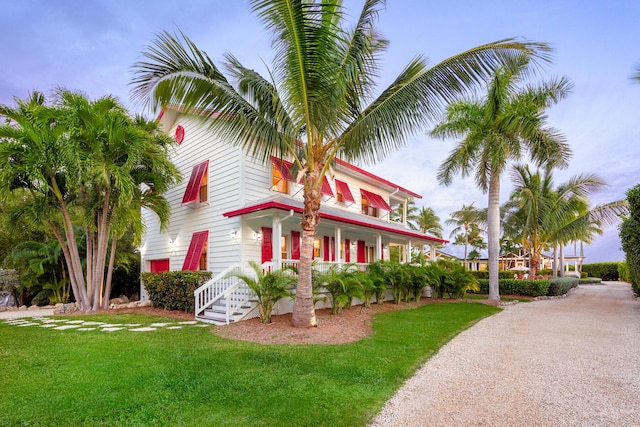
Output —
<point x="227" y="286"/>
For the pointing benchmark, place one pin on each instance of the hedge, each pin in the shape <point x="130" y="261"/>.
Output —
<point x="502" y="274"/>
<point x="561" y="285"/>
<point x="603" y="270"/>
<point x="173" y="290"/>
<point x="525" y="287"/>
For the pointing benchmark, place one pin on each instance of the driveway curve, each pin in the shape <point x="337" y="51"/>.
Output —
<point x="573" y="361"/>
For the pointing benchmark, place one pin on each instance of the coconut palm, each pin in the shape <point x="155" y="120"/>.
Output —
<point x="464" y="220"/>
<point x="556" y="216"/>
<point x="411" y="217"/>
<point x="497" y="130"/>
<point x="429" y="222"/>
<point x="317" y="101"/>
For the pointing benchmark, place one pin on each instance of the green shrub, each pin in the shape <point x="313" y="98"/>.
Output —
<point x="173" y="290"/>
<point x="590" y="281"/>
<point x="451" y="278"/>
<point x="502" y="274"/>
<point x="584" y="275"/>
<point x="343" y="284"/>
<point x="524" y="287"/>
<point x="269" y="287"/>
<point x="604" y="270"/>
<point x="562" y="285"/>
<point x="623" y="271"/>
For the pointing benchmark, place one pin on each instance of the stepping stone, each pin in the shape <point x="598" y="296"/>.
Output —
<point x="174" y="327"/>
<point x="146" y="329"/>
<point x="190" y="322"/>
<point x="160" y="325"/>
<point x="27" y="324"/>
<point x="86" y="329"/>
<point x="48" y="325"/>
<point x="63" y="327"/>
<point x="75" y="322"/>
<point x="94" y="323"/>
<point x="111" y="329"/>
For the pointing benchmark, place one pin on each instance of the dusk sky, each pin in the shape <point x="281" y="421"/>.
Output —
<point x="90" y="46"/>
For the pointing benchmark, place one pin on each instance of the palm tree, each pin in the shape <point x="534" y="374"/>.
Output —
<point x="464" y="220"/>
<point x="497" y="130"/>
<point x="82" y="164"/>
<point x="429" y="222"/>
<point x="318" y="99"/>
<point x="556" y="216"/>
<point x="411" y="217"/>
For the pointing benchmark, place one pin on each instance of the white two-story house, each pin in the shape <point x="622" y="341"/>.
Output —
<point x="231" y="208"/>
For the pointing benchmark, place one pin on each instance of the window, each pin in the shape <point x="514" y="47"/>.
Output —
<point x="367" y="208"/>
<point x="283" y="247"/>
<point x="316" y="248"/>
<point x="343" y="192"/>
<point x="203" y="192"/>
<point x="279" y="182"/>
<point x="202" y="264"/>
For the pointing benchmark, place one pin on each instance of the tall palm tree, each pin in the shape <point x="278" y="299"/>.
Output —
<point x="497" y="130"/>
<point x="317" y="101"/>
<point x="411" y="216"/>
<point x="429" y="222"/>
<point x="550" y="215"/>
<point x="464" y="219"/>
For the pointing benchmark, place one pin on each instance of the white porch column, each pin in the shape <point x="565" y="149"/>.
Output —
<point x="432" y="252"/>
<point x="378" y="247"/>
<point x="407" y="256"/>
<point x="276" y="225"/>
<point x="336" y="245"/>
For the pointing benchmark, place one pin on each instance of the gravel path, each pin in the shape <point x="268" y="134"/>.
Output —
<point x="565" y="362"/>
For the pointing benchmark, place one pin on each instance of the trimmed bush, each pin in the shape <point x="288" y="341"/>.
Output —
<point x="623" y="271"/>
<point x="173" y="290"/>
<point x="604" y="270"/>
<point x="524" y="287"/>
<point x="562" y="285"/>
<point x="502" y="274"/>
<point x="590" y="281"/>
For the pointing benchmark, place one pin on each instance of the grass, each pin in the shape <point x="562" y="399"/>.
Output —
<point x="191" y="377"/>
<point x="470" y="296"/>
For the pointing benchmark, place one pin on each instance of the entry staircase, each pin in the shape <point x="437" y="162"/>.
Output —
<point x="225" y="298"/>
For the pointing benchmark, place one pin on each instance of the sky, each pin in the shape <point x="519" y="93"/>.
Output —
<point x="91" y="46"/>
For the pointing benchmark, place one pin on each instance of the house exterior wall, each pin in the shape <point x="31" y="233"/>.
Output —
<point x="235" y="180"/>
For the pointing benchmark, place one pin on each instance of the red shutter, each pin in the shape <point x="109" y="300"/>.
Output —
<point x="343" y="187"/>
<point x="382" y="252"/>
<point x="193" y="187"/>
<point x="333" y="249"/>
<point x="327" y="257"/>
<point x="295" y="245"/>
<point x="283" y="167"/>
<point x="158" y="265"/>
<point x="192" y="260"/>
<point x="347" y="250"/>
<point x="267" y="244"/>
<point x="361" y="251"/>
<point x="376" y="200"/>
<point x="326" y="188"/>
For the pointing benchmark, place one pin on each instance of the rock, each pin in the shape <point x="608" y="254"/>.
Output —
<point x="65" y="308"/>
<point x="33" y="308"/>
<point x="23" y="308"/>
<point x="124" y="298"/>
<point x="145" y="304"/>
<point x="117" y="301"/>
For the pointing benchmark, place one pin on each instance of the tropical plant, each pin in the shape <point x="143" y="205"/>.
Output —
<point x="429" y="222"/>
<point x="497" y="130"/>
<point x="548" y="215"/>
<point x="464" y="220"/>
<point x="343" y="284"/>
<point x="630" y="236"/>
<point x="411" y="215"/>
<point x="88" y="164"/>
<point x="376" y="273"/>
<point x="451" y="278"/>
<point x="417" y="282"/>
<point x="318" y="100"/>
<point x="268" y="287"/>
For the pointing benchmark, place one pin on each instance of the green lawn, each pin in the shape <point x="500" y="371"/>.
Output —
<point x="191" y="377"/>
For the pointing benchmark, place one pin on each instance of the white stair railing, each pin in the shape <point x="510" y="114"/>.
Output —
<point x="215" y="288"/>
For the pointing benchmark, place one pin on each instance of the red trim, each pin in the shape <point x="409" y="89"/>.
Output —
<point x="333" y="248"/>
<point x="267" y="244"/>
<point x="192" y="260"/>
<point x="193" y="187"/>
<point x="376" y="200"/>
<point x="326" y="188"/>
<point x="343" y="188"/>
<point x="377" y="178"/>
<point x="283" y="206"/>
<point x="295" y="245"/>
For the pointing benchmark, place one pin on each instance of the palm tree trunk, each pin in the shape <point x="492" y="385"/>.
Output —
<point x="107" y="286"/>
<point x="493" y="235"/>
<point x="304" y="314"/>
<point x="562" y="260"/>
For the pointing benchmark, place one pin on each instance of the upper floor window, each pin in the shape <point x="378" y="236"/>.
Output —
<point x="197" y="187"/>
<point x="368" y="208"/>
<point x="279" y="182"/>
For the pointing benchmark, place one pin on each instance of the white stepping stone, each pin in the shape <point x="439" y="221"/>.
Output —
<point x="75" y="322"/>
<point x="111" y="329"/>
<point x="94" y="323"/>
<point x="27" y="324"/>
<point x="63" y="327"/>
<point x="145" y="329"/>
<point x="160" y="325"/>
<point x="190" y="322"/>
<point x="86" y="329"/>
<point x="48" y="325"/>
<point x="174" y="327"/>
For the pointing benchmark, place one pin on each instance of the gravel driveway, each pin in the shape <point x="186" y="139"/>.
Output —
<point x="565" y="362"/>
